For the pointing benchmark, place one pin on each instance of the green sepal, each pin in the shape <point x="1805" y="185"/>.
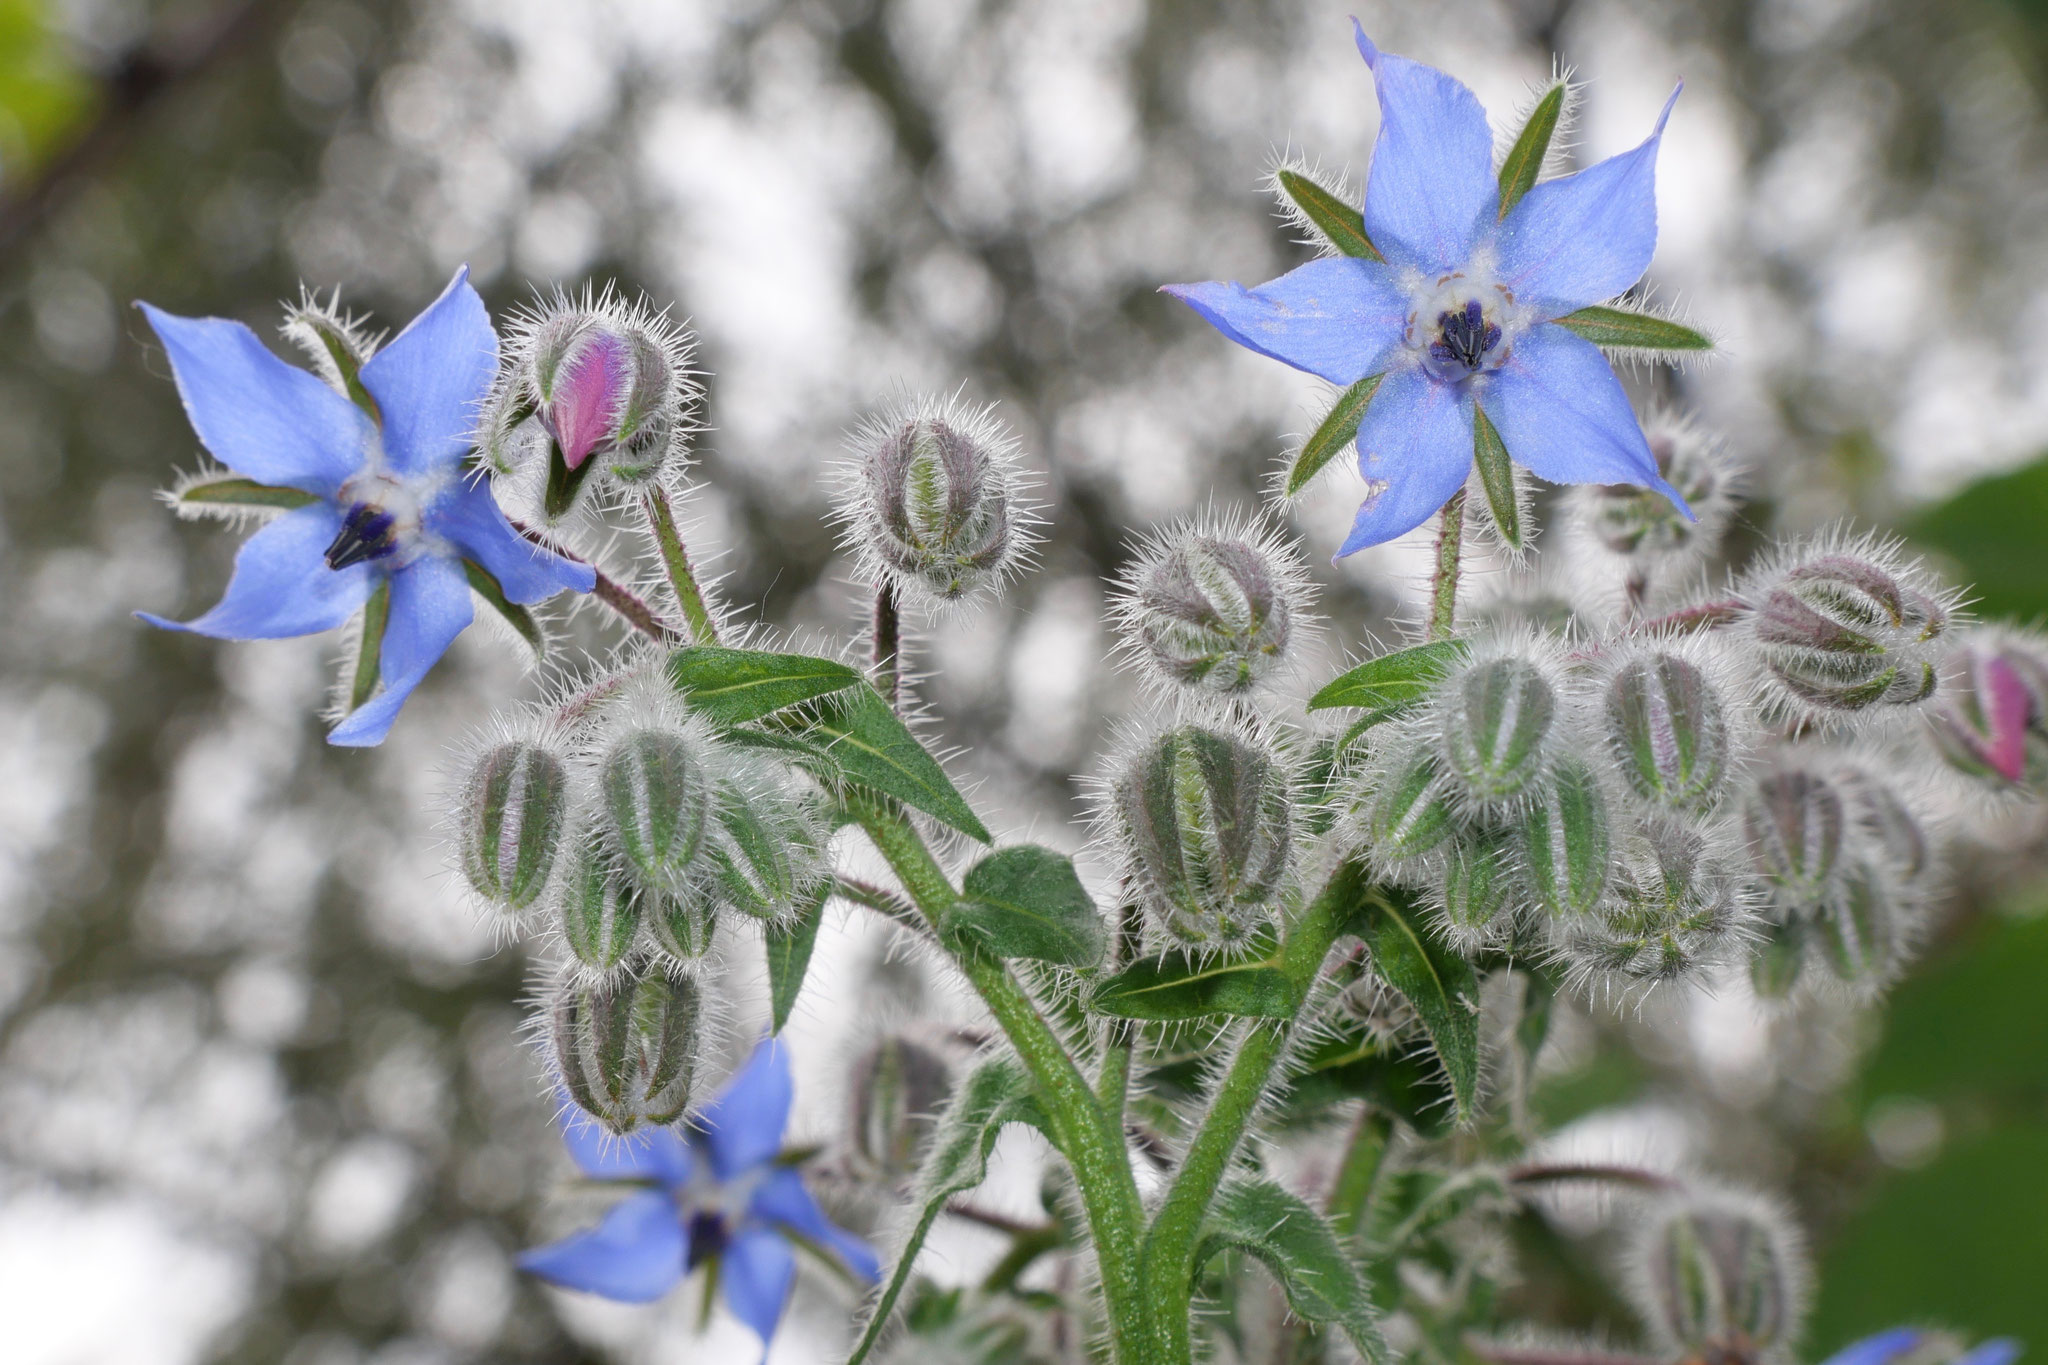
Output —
<point x="734" y="686"/>
<point x="1333" y="434"/>
<point x="1438" y="983"/>
<point x="238" y="492"/>
<point x="1497" y="478"/>
<point x="1619" y="327"/>
<point x="1525" y="159"/>
<point x="485" y="585"/>
<point x="1391" y="684"/>
<point x="996" y="1093"/>
<point x="1342" y="226"/>
<point x="564" y="483"/>
<point x="1027" y="901"/>
<point x="1267" y="1221"/>
<point x="1177" y="986"/>
<point x="789" y="943"/>
<point x="370" y="653"/>
<point x="871" y="747"/>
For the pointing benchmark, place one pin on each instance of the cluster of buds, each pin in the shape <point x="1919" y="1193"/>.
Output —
<point x="1719" y="1275"/>
<point x="1990" y="719"/>
<point x="601" y="384"/>
<point x="930" y="502"/>
<point x="638" y="834"/>
<point x="1212" y="607"/>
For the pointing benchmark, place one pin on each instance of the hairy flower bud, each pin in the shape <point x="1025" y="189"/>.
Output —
<point x="1719" y="1276"/>
<point x="899" y="1087"/>
<point x="931" y="502"/>
<point x="761" y="850"/>
<point x="1478" y="885"/>
<point x="514" y="810"/>
<point x="1642" y="524"/>
<point x="1668" y="731"/>
<point x="1673" y="908"/>
<point x="1794" y="821"/>
<point x="1496" y="721"/>
<point x="1567" y="840"/>
<point x="1991" y="718"/>
<point x="1776" y="966"/>
<point x="601" y="911"/>
<point x="626" y="1049"/>
<point x="656" y="795"/>
<point x="683" y="926"/>
<point x="1205" y="821"/>
<point x="1212" y="610"/>
<point x="1846" y="629"/>
<point x="1408" y="813"/>
<point x="1863" y="932"/>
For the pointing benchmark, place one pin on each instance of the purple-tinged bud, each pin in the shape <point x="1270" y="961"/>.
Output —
<point x="899" y="1087"/>
<point x="1719" y="1276"/>
<point x="1212" y="611"/>
<point x="1668" y="731"/>
<point x="601" y="911"/>
<point x="1794" y="820"/>
<point x="626" y="1049"/>
<point x="656" y="795"/>
<point x="513" y="814"/>
<point x="1847" y="629"/>
<point x="1991" y="719"/>
<point x="1567" y="840"/>
<point x="1641" y="524"/>
<point x="1496" y="722"/>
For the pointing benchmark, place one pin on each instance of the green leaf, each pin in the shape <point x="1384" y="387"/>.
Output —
<point x="1348" y="1063"/>
<point x="1336" y="432"/>
<point x="1028" y="901"/>
<point x="1435" y="981"/>
<point x="873" y="748"/>
<point x="1992" y="529"/>
<point x="733" y="686"/>
<point x="486" y="586"/>
<point x="1341" y="225"/>
<point x="1497" y="477"/>
<point x="790" y="941"/>
<point x="244" y="493"/>
<point x="1620" y="327"/>
<point x="1525" y="159"/>
<point x="996" y="1093"/>
<point x="370" y="653"/>
<point x="1265" y="1220"/>
<point x="1179" y="986"/>
<point x="1391" y="684"/>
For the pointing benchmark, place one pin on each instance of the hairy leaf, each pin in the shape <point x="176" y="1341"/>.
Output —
<point x="733" y="686"/>
<point x="1391" y="684"/>
<point x="1604" y="326"/>
<point x="1437" y="982"/>
<point x="873" y="748"/>
<point x="1266" y="1220"/>
<point x="1028" y="901"/>
<point x="790" y="941"/>
<point x="1178" y="985"/>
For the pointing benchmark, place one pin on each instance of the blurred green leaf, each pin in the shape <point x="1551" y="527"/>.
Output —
<point x="44" y="92"/>
<point x="1992" y="529"/>
<point x="789" y="944"/>
<point x="1176" y="985"/>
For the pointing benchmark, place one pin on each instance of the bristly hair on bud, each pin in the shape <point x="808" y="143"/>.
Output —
<point x="654" y="770"/>
<point x="931" y="501"/>
<point x="1217" y="604"/>
<point x="1990" y="717"/>
<point x="626" y="1048"/>
<point x="1678" y="903"/>
<point x="1676" y="723"/>
<point x="1641" y="527"/>
<point x="336" y="342"/>
<point x="1843" y="626"/>
<point x="764" y="844"/>
<point x="511" y="802"/>
<point x="1499" y="719"/>
<point x="1720" y="1274"/>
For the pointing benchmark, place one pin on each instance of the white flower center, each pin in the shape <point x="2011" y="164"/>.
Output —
<point x="1463" y="323"/>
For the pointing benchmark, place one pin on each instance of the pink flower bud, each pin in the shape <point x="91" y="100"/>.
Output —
<point x="1991" y="712"/>
<point x="591" y="387"/>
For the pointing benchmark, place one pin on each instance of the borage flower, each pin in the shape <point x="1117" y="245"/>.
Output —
<point x="382" y="513"/>
<point x="720" y="1196"/>
<point x="1913" y="1346"/>
<point x="1459" y="314"/>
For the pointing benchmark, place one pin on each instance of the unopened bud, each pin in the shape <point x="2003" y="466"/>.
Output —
<point x="656" y="795"/>
<point x="1496" y="722"/>
<point x="1843" y="631"/>
<point x="601" y="910"/>
<point x="683" y="926"/>
<point x="1567" y="842"/>
<point x="627" y="1049"/>
<point x="1205" y="820"/>
<point x="1669" y="732"/>
<point x="1408" y="813"/>
<point x="1478" y="884"/>
<point x="1885" y="827"/>
<point x="1720" y="1276"/>
<point x="1991" y="720"/>
<point x="1643" y="524"/>
<point x="1794" y="822"/>
<point x="514" y="810"/>
<point x="1213" y="612"/>
<point x="932" y="503"/>
<point x="899" y="1087"/>
<point x="1671" y="911"/>
<point x="1862" y="931"/>
<point x="761" y="850"/>
<point x="1779" y="959"/>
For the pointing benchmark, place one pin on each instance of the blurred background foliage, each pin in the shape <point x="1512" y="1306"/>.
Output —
<point x="261" y="1091"/>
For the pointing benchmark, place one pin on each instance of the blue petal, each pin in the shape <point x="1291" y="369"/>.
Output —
<point x="658" y="1154"/>
<point x="743" y="1126"/>
<point x="1880" y="1349"/>
<point x="282" y="585"/>
<point x="468" y="515"/>
<point x="1416" y="440"/>
<point x="782" y="1198"/>
<point x="262" y="418"/>
<point x="1563" y="415"/>
<point x="634" y="1255"/>
<point x="1336" y="317"/>
<point x="429" y="381"/>
<point x="757" y="1271"/>
<point x="1585" y="237"/>
<point x="430" y="606"/>
<point x="1431" y="187"/>
<point x="1998" y="1351"/>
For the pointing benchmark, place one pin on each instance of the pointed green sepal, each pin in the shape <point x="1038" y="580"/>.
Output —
<point x="1336" y="431"/>
<point x="485" y="585"/>
<point x="564" y="483"/>
<point x="1525" y="159"/>
<point x="1497" y="477"/>
<point x="370" y="653"/>
<point x="1342" y="226"/>
<point x="1627" y="330"/>
<point x="236" y="492"/>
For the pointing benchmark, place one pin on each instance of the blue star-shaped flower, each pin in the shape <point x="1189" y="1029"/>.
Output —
<point x="391" y="501"/>
<point x="1896" y="1343"/>
<point x="719" y="1195"/>
<point x="1462" y="312"/>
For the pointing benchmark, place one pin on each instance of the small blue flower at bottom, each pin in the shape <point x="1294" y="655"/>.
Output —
<point x="387" y="499"/>
<point x="1461" y="314"/>
<point x="720" y="1195"/>
<point x="1895" y="1345"/>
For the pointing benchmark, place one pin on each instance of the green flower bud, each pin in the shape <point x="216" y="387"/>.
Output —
<point x="1567" y="842"/>
<point x="1847" y="630"/>
<point x="1720" y="1276"/>
<point x="1669" y="732"/>
<point x="601" y="911"/>
<point x="682" y="926"/>
<point x="932" y="502"/>
<point x="1794" y="820"/>
<point x="514" y="809"/>
<point x="1408" y="813"/>
<point x="1204" y="819"/>
<point x="900" y="1086"/>
<point x="1665" y="915"/>
<point x="1495" y="727"/>
<point x="1478" y="884"/>
<point x="1212" y="612"/>
<point x="1776" y="966"/>
<point x="761" y="850"/>
<point x="627" y="1049"/>
<point x="656" y="795"/>
<point x="1862" y="931"/>
<point x="1884" y="826"/>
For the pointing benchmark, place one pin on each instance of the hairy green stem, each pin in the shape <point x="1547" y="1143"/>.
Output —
<point x="1092" y="1144"/>
<point x="675" y="560"/>
<point x="1443" y="585"/>
<point x="1359" y="1174"/>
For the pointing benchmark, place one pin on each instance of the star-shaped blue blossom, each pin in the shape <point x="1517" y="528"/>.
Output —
<point x="1462" y="313"/>
<point x="720" y="1194"/>
<point x="391" y="501"/>
<point x="1896" y="1343"/>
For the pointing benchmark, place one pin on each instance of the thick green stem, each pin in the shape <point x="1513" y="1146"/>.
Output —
<point x="1359" y="1174"/>
<point x="1092" y="1144"/>
<point x="661" y="519"/>
<point x="1443" y="585"/>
